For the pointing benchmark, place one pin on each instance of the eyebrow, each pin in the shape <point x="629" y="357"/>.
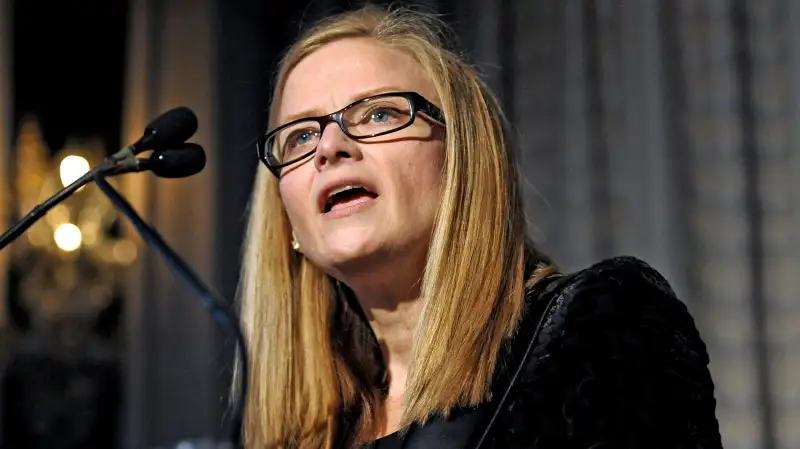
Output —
<point x="359" y="96"/>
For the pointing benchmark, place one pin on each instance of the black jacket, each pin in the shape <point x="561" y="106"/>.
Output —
<point x="613" y="361"/>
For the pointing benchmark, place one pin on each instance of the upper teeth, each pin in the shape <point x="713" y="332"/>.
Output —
<point x="340" y="190"/>
<point x="329" y="200"/>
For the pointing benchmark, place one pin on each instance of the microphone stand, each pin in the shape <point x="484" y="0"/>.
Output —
<point x="220" y="311"/>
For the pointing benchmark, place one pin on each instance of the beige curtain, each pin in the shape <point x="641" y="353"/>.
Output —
<point x="172" y="385"/>
<point x="668" y="130"/>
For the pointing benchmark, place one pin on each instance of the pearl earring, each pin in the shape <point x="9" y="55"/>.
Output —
<point x="295" y="242"/>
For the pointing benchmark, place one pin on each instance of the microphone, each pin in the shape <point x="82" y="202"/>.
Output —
<point x="175" y="163"/>
<point x="170" y="129"/>
<point x="182" y="162"/>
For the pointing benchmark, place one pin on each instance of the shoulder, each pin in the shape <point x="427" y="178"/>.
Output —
<point x="621" y="305"/>
<point x="618" y="295"/>
<point x="619" y="360"/>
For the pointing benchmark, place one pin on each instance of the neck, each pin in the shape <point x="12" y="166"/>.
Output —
<point x="389" y="296"/>
<point x="392" y="310"/>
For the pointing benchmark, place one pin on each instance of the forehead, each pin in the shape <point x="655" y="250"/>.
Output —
<point x="347" y="70"/>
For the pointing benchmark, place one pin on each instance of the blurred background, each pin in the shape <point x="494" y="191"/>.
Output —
<point x="662" y="129"/>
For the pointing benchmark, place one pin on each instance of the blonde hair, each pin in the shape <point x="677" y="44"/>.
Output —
<point x="316" y="371"/>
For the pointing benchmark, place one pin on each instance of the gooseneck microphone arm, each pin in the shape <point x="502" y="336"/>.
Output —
<point x="41" y="209"/>
<point x="175" y="163"/>
<point x="221" y="312"/>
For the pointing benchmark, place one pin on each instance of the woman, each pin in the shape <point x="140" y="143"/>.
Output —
<point x="390" y="295"/>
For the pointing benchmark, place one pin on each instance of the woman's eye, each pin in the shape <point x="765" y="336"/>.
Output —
<point x="303" y="138"/>
<point x="300" y="138"/>
<point x="381" y="115"/>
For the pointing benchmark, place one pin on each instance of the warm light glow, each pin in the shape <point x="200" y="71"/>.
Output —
<point x="124" y="252"/>
<point x="68" y="237"/>
<point x="57" y="215"/>
<point x="38" y="238"/>
<point x="72" y="168"/>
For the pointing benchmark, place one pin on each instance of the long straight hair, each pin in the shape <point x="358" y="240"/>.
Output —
<point x="317" y="374"/>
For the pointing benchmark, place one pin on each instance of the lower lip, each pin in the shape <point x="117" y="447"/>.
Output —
<point x="352" y="208"/>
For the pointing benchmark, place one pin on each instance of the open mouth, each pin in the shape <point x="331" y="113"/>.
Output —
<point x="347" y="196"/>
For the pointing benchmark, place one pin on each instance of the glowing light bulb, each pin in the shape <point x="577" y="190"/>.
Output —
<point x="72" y="168"/>
<point x="68" y="237"/>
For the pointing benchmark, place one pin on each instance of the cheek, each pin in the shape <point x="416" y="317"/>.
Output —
<point x="422" y="181"/>
<point x="430" y="165"/>
<point x="294" y="195"/>
<point x="435" y="179"/>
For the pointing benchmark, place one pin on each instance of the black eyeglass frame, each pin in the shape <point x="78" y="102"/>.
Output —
<point x="417" y="102"/>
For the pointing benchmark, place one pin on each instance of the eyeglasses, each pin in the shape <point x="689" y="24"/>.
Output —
<point x="369" y="117"/>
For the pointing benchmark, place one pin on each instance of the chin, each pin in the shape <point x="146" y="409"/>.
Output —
<point x="348" y="253"/>
<point x="350" y="242"/>
<point x="344" y="258"/>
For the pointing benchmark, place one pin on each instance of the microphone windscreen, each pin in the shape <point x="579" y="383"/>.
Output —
<point x="170" y="129"/>
<point x="189" y="160"/>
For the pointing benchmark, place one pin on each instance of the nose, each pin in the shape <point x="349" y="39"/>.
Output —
<point x="334" y="146"/>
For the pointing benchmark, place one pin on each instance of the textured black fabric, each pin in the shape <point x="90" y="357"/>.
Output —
<point x="618" y="364"/>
